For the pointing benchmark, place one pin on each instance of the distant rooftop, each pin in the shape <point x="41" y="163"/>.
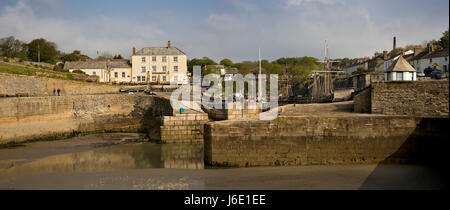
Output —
<point x="94" y="64"/>
<point x="401" y="65"/>
<point x="160" y="51"/>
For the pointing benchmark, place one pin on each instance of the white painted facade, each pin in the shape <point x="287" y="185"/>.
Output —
<point x="103" y="75"/>
<point x="400" y="76"/>
<point x="159" y="68"/>
<point x="119" y="75"/>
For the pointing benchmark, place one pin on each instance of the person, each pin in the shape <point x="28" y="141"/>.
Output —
<point x="54" y="92"/>
<point x="59" y="91"/>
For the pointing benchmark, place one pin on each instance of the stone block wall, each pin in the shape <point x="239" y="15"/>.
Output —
<point x="292" y="141"/>
<point x="183" y="127"/>
<point x="13" y="85"/>
<point x="362" y="101"/>
<point x="234" y="112"/>
<point x="43" y="117"/>
<point x="420" y="98"/>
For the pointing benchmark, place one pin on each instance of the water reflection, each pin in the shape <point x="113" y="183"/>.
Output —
<point x="137" y="156"/>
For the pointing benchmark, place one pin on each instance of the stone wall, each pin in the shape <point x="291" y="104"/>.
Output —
<point x="183" y="127"/>
<point x="43" y="117"/>
<point x="233" y="112"/>
<point x="362" y="102"/>
<point x="290" y="141"/>
<point x="420" y="98"/>
<point x="13" y="85"/>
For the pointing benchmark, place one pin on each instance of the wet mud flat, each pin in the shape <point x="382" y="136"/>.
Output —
<point x="116" y="161"/>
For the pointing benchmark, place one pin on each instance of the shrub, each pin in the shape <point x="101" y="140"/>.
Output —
<point x="6" y="60"/>
<point x="78" y="71"/>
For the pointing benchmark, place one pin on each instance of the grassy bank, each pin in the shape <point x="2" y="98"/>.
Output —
<point x="30" y="70"/>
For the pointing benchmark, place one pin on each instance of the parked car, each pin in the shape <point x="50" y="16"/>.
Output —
<point x="437" y="75"/>
<point x="420" y="74"/>
<point x="428" y="71"/>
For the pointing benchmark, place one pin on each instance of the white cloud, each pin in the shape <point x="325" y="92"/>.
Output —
<point x="103" y="34"/>
<point x="294" y="3"/>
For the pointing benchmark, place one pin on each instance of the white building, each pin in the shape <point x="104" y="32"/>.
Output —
<point x="159" y="65"/>
<point x="91" y="67"/>
<point x="438" y="59"/>
<point x="400" y="70"/>
<point x="388" y="63"/>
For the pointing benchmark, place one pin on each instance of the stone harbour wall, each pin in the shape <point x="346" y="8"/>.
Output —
<point x="419" y="98"/>
<point x="293" y="141"/>
<point x="183" y="127"/>
<point x="20" y="85"/>
<point x="30" y="118"/>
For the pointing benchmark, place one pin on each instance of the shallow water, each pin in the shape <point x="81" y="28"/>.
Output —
<point x="115" y="158"/>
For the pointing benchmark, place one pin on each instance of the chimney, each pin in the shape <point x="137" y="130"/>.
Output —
<point x="385" y="55"/>
<point x="395" y="43"/>
<point x="417" y="49"/>
<point x="168" y="44"/>
<point x="134" y="50"/>
<point x="430" y="48"/>
<point x="403" y="52"/>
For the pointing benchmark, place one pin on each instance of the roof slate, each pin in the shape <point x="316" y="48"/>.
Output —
<point x="401" y="65"/>
<point x="160" y="51"/>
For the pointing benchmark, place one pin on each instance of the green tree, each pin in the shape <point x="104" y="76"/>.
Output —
<point x="12" y="48"/>
<point x="74" y="56"/>
<point x="43" y="50"/>
<point x="104" y="56"/>
<point x="444" y="42"/>
<point x="227" y="63"/>
<point x="199" y="62"/>
<point x="118" y="56"/>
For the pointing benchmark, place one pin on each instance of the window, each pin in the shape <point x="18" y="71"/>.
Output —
<point x="143" y="69"/>
<point x="164" y="78"/>
<point x="94" y="73"/>
<point x="123" y="74"/>
<point x="153" y="68"/>
<point x="164" y="59"/>
<point x="116" y="74"/>
<point x="175" y="58"/>
<point x="175" y="78"/>
<point x="143" y="59"/>
<point x="164" y="68"/>
<point x="154" y="58"/>
<point x="399" y="75"/>
<point x="431" y="60"/>
<point x="154" y="78"/>
<point x="138" y="78"/>
<point x="175" y="68"/>
<point x="143" y="78"/>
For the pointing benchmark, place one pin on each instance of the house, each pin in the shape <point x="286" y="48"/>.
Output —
<point x="160" y="65"/>
<point x="400" y="70"/>
<point x="216" y="69"/>
<point x="406" y="55"/>
<point x="229" y="74"/>
<point x="120" y="71"/>
<point x="355" y="66"/>
<point x="91" y="67"/>
<point x="431" y="58"/>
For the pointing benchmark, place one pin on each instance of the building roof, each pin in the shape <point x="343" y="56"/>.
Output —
<point x="436" y="54"/>
<point x="90" y="64"/>
<point x="401" y="65"/>
<point x="160" y="51"/>
<point x="231" y="71"/>
<point x="94" y="64"/>
<point x="119" y="64"/>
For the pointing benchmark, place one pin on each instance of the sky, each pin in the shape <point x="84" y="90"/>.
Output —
<point x="233" y="29"/>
